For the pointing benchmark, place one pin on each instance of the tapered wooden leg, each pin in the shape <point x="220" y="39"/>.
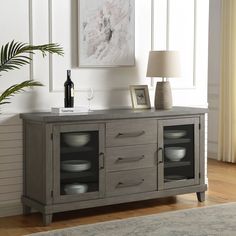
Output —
<point x="26" y="210"/>
<point x="47" y="219"/>
<point x="201" y="196"/>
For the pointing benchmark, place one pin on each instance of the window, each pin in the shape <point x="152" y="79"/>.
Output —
<point x="184" y="30"/>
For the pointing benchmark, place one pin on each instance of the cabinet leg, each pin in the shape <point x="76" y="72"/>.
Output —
<point x="201" y="196"/>
<point x="47" y="219"/>
<point x="26" y="210"/>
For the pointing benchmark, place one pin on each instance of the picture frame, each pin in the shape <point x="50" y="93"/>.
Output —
<point x="140" y="96"/>
<point x="106" y="33"/>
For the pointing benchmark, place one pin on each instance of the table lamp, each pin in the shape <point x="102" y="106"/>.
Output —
<point x="164" y="64"/>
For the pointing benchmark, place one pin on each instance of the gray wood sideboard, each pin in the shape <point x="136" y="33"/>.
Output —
<point x="108" y="157"/>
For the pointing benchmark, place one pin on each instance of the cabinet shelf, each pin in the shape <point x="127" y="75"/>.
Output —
<point x="74" y="175"/>
<point x="177" y="141"/>
<point x="177" y="164"/>
<point x="67" y="150"/>
<point x="174" y="180"/>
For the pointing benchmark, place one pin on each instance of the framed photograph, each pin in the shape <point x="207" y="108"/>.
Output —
<point x="106" y="33"/>
<point x="140" y="97"/>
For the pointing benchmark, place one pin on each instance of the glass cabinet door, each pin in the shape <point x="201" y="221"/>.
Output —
<point x="78" y="162"/>
<point x="178" y="153"/>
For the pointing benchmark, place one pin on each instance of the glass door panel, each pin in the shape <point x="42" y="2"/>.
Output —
<point x="178" y="142"/>
<point x="79" y="162"/>
<point x="178" y="153"/>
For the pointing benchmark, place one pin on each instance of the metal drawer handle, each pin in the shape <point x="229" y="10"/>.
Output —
<point x="130" y="135"/>
<point x="126" y="185"/>
<point x="130" y="159"/>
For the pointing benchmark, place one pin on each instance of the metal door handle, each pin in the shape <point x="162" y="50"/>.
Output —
<point x="162" y="155"/>
<point x="101" y="160"/>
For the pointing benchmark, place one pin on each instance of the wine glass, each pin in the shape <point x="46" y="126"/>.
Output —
<point x="90" y="96"/>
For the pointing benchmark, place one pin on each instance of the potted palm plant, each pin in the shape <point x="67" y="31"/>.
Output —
<point x="14" y="55"/>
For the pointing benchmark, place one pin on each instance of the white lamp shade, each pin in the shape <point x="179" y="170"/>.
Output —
<point x="165" y="64"/>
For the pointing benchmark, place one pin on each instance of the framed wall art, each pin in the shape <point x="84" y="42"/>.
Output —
<point x="140" y="97"/>
<point x="106" y="33"/>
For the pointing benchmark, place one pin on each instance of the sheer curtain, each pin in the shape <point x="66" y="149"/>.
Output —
<point x="227" y="112"/>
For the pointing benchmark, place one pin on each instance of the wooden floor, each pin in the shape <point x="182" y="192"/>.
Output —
<point x="222" y="189"/>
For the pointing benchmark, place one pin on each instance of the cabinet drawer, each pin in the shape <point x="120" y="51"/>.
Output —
<point x="131" y="132"/>
<point x="131" y="157"/>
<point x="133" y="181"/>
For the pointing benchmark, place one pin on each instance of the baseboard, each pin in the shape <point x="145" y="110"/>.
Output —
<point x="212" y="155"/>
<point x="11" y="209"/>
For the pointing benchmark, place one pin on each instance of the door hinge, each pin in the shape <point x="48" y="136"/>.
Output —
<point x="51" y="136"/>
<point x="199" y="126"/>
<point x="199" y="175"/>
<point x="52" y="194"/>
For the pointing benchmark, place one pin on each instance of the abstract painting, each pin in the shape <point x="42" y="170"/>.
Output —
<point x="106" y="33"/>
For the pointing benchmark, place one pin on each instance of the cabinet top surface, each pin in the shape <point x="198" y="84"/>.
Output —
<point x="112" y="114"/>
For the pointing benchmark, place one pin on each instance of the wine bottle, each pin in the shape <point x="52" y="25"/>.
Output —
<point x="69" y="91"/>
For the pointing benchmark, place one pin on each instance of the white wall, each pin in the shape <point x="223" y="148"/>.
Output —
<point x="111" y="85"/>
<point x="214" y="76"/>
<point x="40" y="21"/>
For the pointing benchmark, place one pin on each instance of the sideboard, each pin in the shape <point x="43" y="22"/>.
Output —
<point x="108" y="157"/>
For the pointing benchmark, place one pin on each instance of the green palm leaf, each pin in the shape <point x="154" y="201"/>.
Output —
<point x="13" y="55"/>
<point x="17" y="88"/>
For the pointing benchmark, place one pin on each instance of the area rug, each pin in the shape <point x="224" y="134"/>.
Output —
<point x="205" y="221"/>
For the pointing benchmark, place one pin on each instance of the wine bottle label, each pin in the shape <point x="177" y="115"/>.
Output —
<point x="72" y="92"/>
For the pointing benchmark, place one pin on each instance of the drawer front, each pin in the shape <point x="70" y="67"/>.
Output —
<point x="131" y="157"/>
<point x="131" y="132"/>
<point x="133" y="181"/>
